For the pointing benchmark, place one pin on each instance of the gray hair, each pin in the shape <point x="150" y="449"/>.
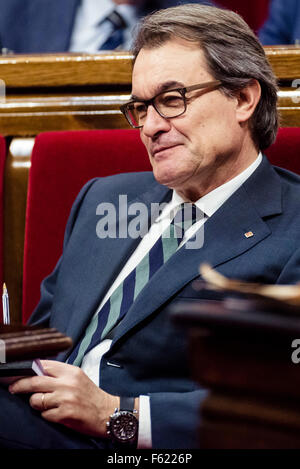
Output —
<point x="232" y="51"/>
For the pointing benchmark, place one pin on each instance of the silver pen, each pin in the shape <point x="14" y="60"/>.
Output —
<point x="5" y="305"/>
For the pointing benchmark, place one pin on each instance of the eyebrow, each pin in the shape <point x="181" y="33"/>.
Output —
<point x="161" y="88"/>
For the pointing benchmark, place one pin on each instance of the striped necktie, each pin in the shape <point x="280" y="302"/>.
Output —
<point x="125" y="294"/>
<point x="116" y="37"/>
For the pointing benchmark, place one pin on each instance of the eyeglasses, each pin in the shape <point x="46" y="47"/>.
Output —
<point x="168" y="104"/>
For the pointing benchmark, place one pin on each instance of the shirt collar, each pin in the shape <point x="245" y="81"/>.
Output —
<point x="212" y="201"/>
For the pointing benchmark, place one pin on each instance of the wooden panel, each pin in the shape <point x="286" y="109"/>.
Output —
<point x="63" y="92"/>
<point x="30" y="116"/>
<point x="22" y="71"/>
<point x="19" y="118"/>
<point x="60" y="70"/>
<point x="28" y="71"/>
<point x="289" y="107"/>
<point x="285" y="61"/>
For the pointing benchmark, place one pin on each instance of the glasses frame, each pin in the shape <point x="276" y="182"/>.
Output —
<point x="151" y="102"/>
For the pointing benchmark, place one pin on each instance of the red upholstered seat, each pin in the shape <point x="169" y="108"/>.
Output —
<point x="285" y="152"/>
<point x="254" y="12"/>
<point x="62" y="162"/>
<point x="2" y="167"/>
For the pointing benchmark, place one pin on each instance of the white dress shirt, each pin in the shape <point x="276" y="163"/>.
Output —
<point x="90" y="31"/>
<point x="209" y="204"/>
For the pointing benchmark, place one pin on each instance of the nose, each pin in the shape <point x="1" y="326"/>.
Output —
<point x="155" y="123"/>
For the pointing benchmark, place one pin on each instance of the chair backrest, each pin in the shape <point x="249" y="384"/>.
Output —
<point x="254" y="12"/>
<point x="2" y="168"/>
<point x="285" y="152"/>
<point x="61" y="163"/>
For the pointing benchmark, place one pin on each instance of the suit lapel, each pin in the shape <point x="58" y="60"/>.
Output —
<point x="224" y="239"/>
<point x="104" y="262"/>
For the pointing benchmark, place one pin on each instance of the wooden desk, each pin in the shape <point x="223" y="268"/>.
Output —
<point x="241" y="352"/>
<point x="63" y="92"/>
<point x="285" y="61"/>
<point x="80" y="91"/>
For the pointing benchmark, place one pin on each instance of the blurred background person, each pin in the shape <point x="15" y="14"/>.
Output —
<point x="38" y="26"/>
<point x="283" y="23"/>
<point x="30" y="26"/>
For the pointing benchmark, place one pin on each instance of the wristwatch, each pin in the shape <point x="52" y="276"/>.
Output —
<point x="123" y="424"/>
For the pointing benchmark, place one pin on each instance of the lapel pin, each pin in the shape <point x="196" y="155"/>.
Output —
<point x="249" y="234"/>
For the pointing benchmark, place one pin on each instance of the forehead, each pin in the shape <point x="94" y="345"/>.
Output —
<point x="176" y="61"/>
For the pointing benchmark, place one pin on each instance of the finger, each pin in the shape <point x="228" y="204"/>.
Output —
<point x="43" y="401"/>
<point x="57" y="369"/>
<point x="40" y="401"/>
<point x="33" y="384"/>
<point x="36" y="400"/>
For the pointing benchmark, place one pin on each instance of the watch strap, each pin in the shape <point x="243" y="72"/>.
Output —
<point x="127" y="403"/>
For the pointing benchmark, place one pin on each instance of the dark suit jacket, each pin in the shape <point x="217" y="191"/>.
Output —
<point x="38" y="26"/>
<point x="283" y="23"/>
<point x="148" y="348"/>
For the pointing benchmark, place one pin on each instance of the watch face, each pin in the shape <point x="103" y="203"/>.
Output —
<point x="124" y="426"/>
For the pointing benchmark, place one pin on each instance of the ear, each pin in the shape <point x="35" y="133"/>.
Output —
<point x="247" y="100"/>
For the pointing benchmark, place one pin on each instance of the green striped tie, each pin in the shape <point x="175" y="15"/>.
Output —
<point x="125" y="294"/>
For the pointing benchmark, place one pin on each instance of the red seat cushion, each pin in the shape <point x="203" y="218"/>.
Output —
<point x="285" y="152"/>
<point x="254" y="12"/>
<point x="61" y="163"/>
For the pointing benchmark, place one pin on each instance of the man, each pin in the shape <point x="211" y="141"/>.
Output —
<point x="38" y="26"/>
<point x="283" y="23"/>
<point x="204" y="98"/>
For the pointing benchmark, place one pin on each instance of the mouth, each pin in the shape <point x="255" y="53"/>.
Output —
<point x="158" y="151"/>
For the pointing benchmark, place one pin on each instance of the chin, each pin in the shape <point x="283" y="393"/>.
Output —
<point x="167" y="178"/>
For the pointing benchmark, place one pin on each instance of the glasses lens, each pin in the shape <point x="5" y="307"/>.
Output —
<point x="136" y="113"/>
<point x="170" y="104"/>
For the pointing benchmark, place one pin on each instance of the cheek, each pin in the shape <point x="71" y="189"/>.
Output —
<point x="216" y="133"/>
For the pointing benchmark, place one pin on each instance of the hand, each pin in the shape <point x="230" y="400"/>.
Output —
<point x="69" y="397"/>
